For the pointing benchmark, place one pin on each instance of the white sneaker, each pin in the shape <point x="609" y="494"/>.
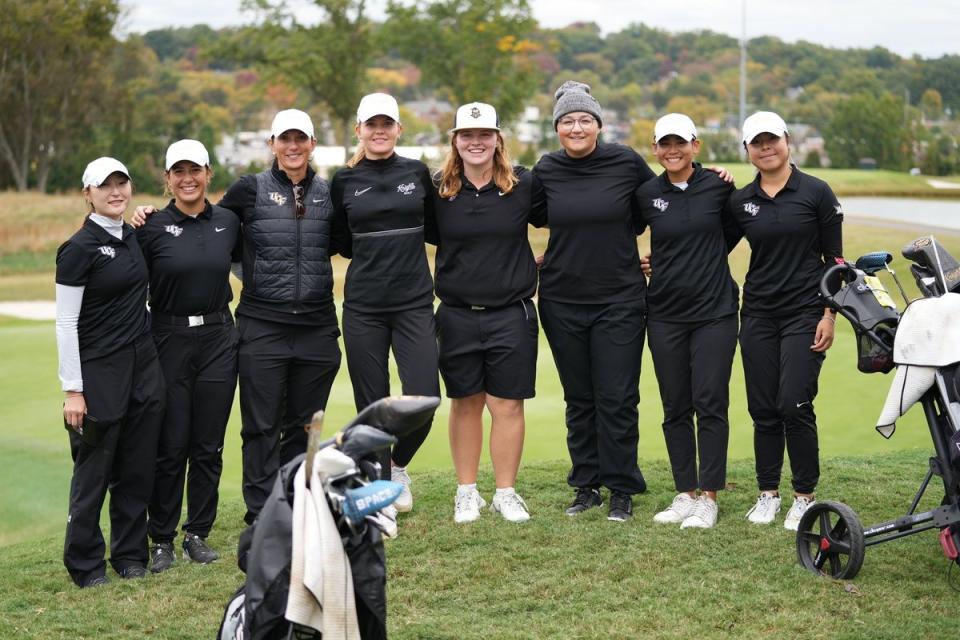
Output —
<point x="766" y="509"/>
<point x="800" y="506"/>
<point x="511" y="506"/>
<point x="466" y="507"/>
<point x="678" y="511"/>
<point x="703" y="515"/>
<point x="404" y="501"/>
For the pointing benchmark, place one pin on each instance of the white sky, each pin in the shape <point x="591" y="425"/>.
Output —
<point x="930" y="28"/>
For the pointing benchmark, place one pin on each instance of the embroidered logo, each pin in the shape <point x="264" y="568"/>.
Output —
<point x="752" y="209"/>
<point x="108" y="251"/>
<point x="219" y="229"/>
<point x="475" y="113"/>
<point x="661" y="204"/>
<point x="406" y="189"/>
<point x="279" y="198"/>
<point x="837" y="210"/>
<point x="501" y="193"/>
<point x="173" y="230"/>
<point x="360" y="192"/>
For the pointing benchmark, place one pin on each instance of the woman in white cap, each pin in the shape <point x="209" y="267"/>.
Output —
<point x="592" y="300"/>
<point x="189" y="246"/>
<point x="486" y="323"/>
<point x="288" y="355"/>
<point x="692" y="316"/>
<point x="111" y="376"/>
<point x="793" y="223"/>
<point x="380" y="200"/>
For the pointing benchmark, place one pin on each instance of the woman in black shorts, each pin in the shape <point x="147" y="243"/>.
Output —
<point x="486" y="323"/>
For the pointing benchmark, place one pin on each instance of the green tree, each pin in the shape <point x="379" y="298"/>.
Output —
<point x="52" y="57"/>
<point x="931" y="104"/>
<point x="473" y="50"/>
<point x="864" y="126"/>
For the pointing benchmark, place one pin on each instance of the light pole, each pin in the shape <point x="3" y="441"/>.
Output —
<point x="743" y="69"/>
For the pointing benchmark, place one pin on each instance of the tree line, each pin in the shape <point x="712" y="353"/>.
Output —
<point x="71" y="90"/>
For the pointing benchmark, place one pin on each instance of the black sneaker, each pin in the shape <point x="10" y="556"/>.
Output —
<point x="133" y="572"/>
<point x="96" y="581"/>
<point x="621" y="507"/>
<point x="196" y="549"/>
<point x="586" y="498"/>
<point x="162" y="557"/>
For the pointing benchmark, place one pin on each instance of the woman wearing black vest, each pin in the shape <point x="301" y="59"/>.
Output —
<point x="189" y="246"/>
<point x="112" y="380"/>
<point x="379" y="200"/>
<point x="593" y="300"/>
<point x="487" y="323"/>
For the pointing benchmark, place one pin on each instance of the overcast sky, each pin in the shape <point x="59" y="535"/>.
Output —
<point x="930" y="28"/>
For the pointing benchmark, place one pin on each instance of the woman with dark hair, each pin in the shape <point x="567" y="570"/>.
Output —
<point x="486" y="323"/>
<point x="112" y="380"/>
<point x="793" y="223"/>
<point x="189" y="246"/>
<point x="380" y="200"/>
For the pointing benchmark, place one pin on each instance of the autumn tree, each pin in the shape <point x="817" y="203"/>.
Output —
<point x="472" y="50"/>
<point x="52" y="58"/>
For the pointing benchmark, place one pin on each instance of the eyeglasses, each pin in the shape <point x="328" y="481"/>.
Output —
<point x="298" y="200"/>
<point x="585" y="122"/>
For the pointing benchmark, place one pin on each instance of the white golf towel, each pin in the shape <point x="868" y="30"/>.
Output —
<point x="321" y="583"/>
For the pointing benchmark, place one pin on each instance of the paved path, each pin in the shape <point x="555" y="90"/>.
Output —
<point x="30" y="309"/>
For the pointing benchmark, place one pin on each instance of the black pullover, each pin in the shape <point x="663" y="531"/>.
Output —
<point x="483" y="255"/>
<point x="592" y="255"/>
<point x="791" y="236"/>
<point x="690" y="229"/>
<point x="379" y="208"/>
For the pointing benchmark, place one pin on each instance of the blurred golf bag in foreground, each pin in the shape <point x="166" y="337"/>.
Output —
<point x="314" y="556"/>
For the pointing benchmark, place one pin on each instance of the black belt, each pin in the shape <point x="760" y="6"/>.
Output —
<point x="217" y="317"/>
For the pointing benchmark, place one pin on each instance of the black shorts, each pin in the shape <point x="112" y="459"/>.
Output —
<point x="490" y="350"/>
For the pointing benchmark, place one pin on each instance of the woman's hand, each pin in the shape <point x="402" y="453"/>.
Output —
<point x="823" y="339"/>
<point x="140" y="215"/>
<point x="725" y="175"/>
<point x="645" y="265"/>
<point x="74" y="408"/>
<point x="539" y="260"/>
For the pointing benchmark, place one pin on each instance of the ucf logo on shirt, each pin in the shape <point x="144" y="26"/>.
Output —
<point x="751" y="208"/>
<point x="108" y="251"/>
<point x="173" y="230"/>
<point x="660" y="204"/>
<point x="279" y="198"/>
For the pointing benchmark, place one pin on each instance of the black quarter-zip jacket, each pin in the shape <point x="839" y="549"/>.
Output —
<point x="189" y="259"/>
<point x="592" y="256"/>
<point x="379" y="208"/>
<point x="690" y="230"/>
<point x="483" y="254"/>
<point x="114" y="276"/>
<point x="792" y="237"/>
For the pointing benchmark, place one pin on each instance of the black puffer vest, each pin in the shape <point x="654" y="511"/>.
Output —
<point x="286" y="260"/>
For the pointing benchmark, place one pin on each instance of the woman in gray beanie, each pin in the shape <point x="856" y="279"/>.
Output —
<point x="593" y="299"/>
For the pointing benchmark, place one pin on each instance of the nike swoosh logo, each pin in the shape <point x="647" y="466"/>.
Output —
<point x="500" y="193"/>
<point x="219" y="229"/>
<point x="316" y="200"/>
<point x="360" y="192"/>
<point x="800" y="404"/>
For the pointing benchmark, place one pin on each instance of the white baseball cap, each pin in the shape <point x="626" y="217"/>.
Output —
<point x="674" y="124"/>
<point x="476" y="115"/>
<point x="378" y="104"/>
<point x="763" y="122"/>
<point x="192" y="150"/>
<point x="291" y="119"/>
<point x="100" y="169"/>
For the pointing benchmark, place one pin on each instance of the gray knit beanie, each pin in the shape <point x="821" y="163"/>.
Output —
<point x="575" y="96"/>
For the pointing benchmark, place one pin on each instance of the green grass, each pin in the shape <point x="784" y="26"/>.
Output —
<point x="554" y="577"/>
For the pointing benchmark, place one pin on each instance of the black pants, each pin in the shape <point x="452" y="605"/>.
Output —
<point x="597" y="350"/>
<point x="781" y="374"/>
<point x="124" y="391"/>
<point x="200" y="367"/>
<point x="368" y="338"/>
<point x="693" y="362"/>
<point x="286" y="372"/>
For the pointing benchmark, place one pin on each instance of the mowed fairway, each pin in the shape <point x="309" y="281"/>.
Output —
<point x="35" y="462"/>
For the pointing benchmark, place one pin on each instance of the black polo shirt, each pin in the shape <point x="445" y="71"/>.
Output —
<point x="592" y="256"/>
<point x="114" y="274"/>
<point x="791" y="236"/>
<point x="379" y="208"/>
<point x="689" y="228"/>
<point x="189" y="259"/>
<point x="483" y="254"/>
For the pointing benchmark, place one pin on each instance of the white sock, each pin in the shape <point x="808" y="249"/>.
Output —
<point x="466" y="488"/>
<point x="397" y="467"/>
<point x="505" y="491"/>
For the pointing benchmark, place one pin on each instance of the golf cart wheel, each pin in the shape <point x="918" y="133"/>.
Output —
<point x="830" y="540"/>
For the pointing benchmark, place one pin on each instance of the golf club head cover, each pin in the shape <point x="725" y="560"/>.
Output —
<point x="363" y="501"/>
